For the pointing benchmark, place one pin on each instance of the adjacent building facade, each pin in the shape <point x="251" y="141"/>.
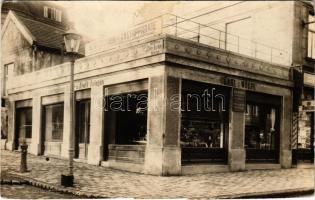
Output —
<point x="173" y="96"/>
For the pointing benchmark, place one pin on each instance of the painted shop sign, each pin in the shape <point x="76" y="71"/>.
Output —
<point x="212" y="55"/>
<point x="139" y="32"/>
<point x="88" y="84"/>
<point x="309" y="79"/>
<point x="120" y="56"/>
<point x="239" y="83"/>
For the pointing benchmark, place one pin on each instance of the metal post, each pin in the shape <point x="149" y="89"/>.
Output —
<point x="220" y="39"/>
<point x="175" y="25"/>
<point x="238" y="44"/>
<point x="198" y="33"/>
<point x="72" y="114"/>
<point x="24" y="146"/>
<point x="67" y="180"/>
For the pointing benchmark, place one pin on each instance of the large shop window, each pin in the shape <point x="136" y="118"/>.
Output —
<point x="23" y="124"/>
<point x="53" y="125"/>
<point x="126" y="118"/>
<point x="204" y="123"/>
<point x="262" y="128"/>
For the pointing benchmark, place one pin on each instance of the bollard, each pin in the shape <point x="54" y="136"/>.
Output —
<point x="23" y="167"/>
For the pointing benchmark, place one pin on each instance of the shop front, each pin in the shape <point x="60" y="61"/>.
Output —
<point x="162" y="106"/>
<point x="52" y="125"/>
<point x="125" y="123"/>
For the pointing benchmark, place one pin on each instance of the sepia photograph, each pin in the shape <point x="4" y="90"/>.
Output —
<point x="157" y="99"/>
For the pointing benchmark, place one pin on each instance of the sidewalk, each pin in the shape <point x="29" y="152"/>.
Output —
<point x="96" y="181"/>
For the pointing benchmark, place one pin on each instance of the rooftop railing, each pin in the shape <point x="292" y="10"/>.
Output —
<point x="202" y="33"/>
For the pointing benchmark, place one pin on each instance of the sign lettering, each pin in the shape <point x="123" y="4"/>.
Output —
<point x="139" y="32"/>
<point x="239" y="83"/>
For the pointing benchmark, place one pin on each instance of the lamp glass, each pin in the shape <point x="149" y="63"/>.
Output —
<point x="72" y="42"/>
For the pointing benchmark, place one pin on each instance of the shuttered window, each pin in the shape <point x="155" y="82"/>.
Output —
<point x="52" y="13"/>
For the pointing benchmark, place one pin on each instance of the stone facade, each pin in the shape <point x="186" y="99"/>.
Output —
<point x="159" y="65"/>
<point x="164" y="65"/>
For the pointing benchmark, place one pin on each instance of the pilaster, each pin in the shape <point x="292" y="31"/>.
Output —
<point x="66" y="124"/>
<point x="11" y="125"/>
<point x="36" y="126"/>
<point x="237" y="130"/>
<point x="285" y="133"/>
<point x="163" y="154"/>
<point x="95" y="152"/>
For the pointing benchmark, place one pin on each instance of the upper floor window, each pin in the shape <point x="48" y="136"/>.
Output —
<point x="311" y="37"/>
<point x="7" y="68"/>
<point x="52" y="13"/>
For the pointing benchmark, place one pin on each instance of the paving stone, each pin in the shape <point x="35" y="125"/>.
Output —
<point x="100" y="181"/>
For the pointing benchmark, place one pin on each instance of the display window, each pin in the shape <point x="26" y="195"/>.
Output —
<point x="126" y="118"/>
<point x="204" y="122"/>
<point x="53" y="125"/>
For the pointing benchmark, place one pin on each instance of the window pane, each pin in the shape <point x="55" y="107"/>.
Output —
<point x="261" y="128"/>
<point x="204" y="120"/>
<point x="45" y="12"/>
<point x="127" y="122"/>
<point x="54" y="122"/>
<point x="24" y="117"/>
<point x="311" y="44"/>
<point x="311" y="38"/>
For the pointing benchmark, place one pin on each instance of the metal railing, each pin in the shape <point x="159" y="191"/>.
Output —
<point x="202" y="33"/>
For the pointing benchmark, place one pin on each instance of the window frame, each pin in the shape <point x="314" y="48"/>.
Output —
<point x="311" y="32"/>
<point x="53" y="13"/>
<point x="51" y="139"/>
<point x="5" y="76"/>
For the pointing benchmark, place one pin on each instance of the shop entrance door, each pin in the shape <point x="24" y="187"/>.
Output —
<point x="82" y="136"/>
<point x="23" y="125"/>
<point x="262" y="128"/>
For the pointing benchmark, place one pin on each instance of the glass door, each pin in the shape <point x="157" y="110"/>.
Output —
<point x="82" y="129"/>
<point x="262" y="133"/>
<point x="23" y="125"/>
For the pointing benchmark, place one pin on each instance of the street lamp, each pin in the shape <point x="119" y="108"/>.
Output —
<point x="72" y="43"/>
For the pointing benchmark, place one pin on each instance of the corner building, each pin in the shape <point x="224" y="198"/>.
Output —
<point x="168" y="126"/>
<point x="177" y="142"/>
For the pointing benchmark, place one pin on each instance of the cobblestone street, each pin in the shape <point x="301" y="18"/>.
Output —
<point x="30" y="192"/>
<point x="105" y="182"/>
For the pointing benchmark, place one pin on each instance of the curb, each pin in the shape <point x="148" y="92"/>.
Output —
<point x="12" y="182"/>
<point x="269" y="194"/>
<point x="47" y="186"/>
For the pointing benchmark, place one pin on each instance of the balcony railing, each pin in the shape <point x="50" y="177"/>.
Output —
<point x="202" y="33"/>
